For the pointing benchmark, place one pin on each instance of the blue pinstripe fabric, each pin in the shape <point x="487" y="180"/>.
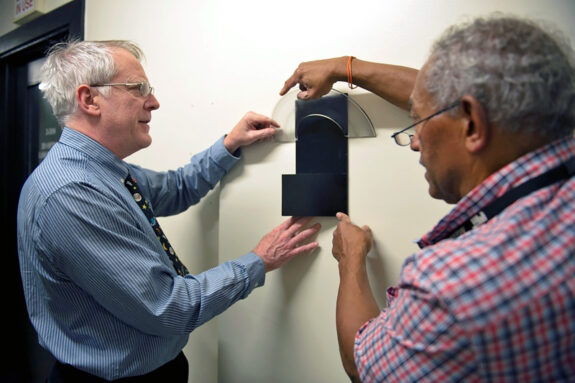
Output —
<point x="100" y="291"/>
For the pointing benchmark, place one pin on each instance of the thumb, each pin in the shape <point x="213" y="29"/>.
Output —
<point x="303" y="95"/>
<point x="343" y="217"/>
<point x="262" y="134"/>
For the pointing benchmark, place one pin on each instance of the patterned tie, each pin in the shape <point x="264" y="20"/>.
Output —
<point x="132" y="186"/>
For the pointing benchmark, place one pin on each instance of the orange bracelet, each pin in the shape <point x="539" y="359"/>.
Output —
<point x="349" y="77"/>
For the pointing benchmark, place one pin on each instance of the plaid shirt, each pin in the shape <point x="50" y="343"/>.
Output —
<point x="494" y="304"/>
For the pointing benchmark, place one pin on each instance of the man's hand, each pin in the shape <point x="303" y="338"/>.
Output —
<point x="316" y="78"/>
<point x="393" y="83"/>
<point x="350" y="242"/>
<point x="283" y="242"/>
<point x="251" y="128"/>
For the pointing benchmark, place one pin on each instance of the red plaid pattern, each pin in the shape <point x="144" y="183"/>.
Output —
<point x="495" y="304"/>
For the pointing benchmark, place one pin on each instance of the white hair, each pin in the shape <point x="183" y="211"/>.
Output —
<point x="522" y="73"/>
<point x="71" y="64"/>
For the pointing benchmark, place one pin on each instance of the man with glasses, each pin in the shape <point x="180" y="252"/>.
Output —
<point x="490" y="296"/>
<point x="105" y="290"/>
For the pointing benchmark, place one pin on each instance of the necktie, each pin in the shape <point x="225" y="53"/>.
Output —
<point x="132" y="186"/>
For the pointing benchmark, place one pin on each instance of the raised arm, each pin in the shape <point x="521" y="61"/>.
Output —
<point x="315" y="78"/>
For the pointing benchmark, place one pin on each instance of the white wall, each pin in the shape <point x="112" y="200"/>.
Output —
<point x="210" y="62"/>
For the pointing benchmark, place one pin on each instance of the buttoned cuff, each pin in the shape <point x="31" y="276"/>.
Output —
<point x="222" y="157"/>
<point x="255" y="269"/>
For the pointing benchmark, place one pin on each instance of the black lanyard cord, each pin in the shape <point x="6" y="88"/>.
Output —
<point x="564" y="171"/>
<point x="561" y="172"/>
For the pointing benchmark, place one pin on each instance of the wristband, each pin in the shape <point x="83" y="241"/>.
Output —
<point x="349" y="77"/>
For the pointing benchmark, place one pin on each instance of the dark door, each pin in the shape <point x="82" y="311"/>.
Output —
<point x="27" y="130"/>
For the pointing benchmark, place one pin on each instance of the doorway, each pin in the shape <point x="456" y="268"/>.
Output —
<point x="27" y="130"/>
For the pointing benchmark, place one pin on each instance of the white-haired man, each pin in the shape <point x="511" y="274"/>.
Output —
<point x="106" y="292"/>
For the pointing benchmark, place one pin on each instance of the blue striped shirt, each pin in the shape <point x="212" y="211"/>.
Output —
<point x="100" y="291"/>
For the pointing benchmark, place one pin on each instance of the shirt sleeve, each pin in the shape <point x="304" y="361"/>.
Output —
<point x="93" y="242"/>
<point x="414" y="339"/>
<point x="174" y="191"/>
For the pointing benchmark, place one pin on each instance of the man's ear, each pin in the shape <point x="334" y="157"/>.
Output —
<point x="87" y="101"/>
<point x="477" y="129"/>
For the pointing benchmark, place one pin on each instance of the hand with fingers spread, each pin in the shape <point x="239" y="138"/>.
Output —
<point x="283" y="242"/>
<point x="252" y="127"/>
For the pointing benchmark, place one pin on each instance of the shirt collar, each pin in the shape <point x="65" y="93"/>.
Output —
<point x="515" y="173"/>
<point x="102" y="156"/>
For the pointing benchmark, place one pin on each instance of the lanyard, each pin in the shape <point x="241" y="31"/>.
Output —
<point x="564" y="171"/>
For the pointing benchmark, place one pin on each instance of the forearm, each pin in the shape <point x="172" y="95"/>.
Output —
<point x="355" y="306"/>
<point x="394" y="83"/>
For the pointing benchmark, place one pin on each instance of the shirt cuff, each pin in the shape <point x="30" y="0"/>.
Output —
<point x="255" y="269"/>
<point x="221" y="155"/>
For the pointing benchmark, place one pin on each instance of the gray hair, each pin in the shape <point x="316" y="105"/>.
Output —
<point x="71" y="64"/>
<point x="522" y="73"/>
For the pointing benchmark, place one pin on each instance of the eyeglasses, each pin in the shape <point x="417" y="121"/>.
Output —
<point x="402" y="138"/>
<point x="143" y="87"/>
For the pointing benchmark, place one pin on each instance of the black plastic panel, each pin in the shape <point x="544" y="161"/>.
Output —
<point x="320" y="185"/>
<point x="310" y="194"/>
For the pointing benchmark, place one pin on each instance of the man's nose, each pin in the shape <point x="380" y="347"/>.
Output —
<point x="414" y="143"/>
<point x="152" y="102"/>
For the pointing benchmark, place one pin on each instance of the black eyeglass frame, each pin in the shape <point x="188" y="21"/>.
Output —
<point x="402" y="131"/>
<point x="144" y="87"/>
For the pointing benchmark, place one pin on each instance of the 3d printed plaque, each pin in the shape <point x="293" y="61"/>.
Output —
<point x="320" y="185"/>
